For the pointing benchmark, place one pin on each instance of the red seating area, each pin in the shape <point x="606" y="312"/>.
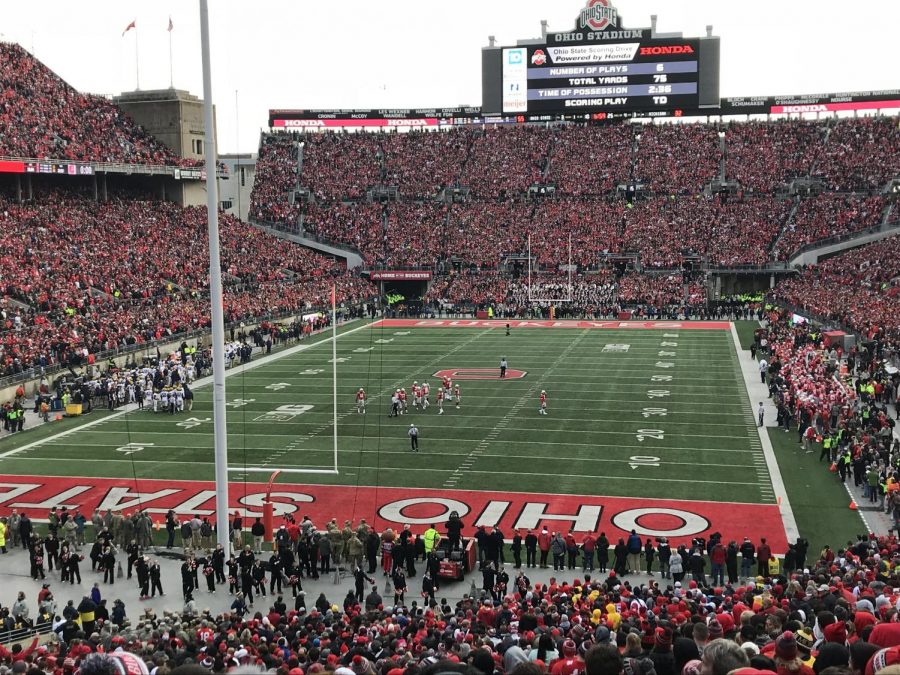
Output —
<point x="43" y="117"/>
<point x="677" y="158"/>
<point x="762" y="155"/>
<point x="98" y="276"/>
<point x="590" y="160"/>
<point x="505" y="161"/>
<point x="828" y="215"/>
<point x="736" y="232"/>
<point x="422" y="163"/>
<point x="862" y="153"/>
<point x="859" y="289"/>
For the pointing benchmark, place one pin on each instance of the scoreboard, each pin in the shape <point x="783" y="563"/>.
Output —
<point x="601" y="66"/>
<point x="625" y="76"/>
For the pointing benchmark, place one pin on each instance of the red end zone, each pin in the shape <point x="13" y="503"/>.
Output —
<point x="393" y="507"/>
<point x="517" y="323"/>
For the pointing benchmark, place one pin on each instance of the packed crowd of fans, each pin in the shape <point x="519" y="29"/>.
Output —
<point x="595" y="295"/>
<point x="43" y="117"/>
<point x="585" y="164"/>
<point x="862" y="153"/>
<point x="828" y="215"/>
<point x="677" y="158"/>
<point x="727" y="233"/>
<point x="858" y="289"/>
<point x="95" y="276"/>
<point x="717" y="608"/>
<point x="763" y="155"/>
<point x="589" y="160"/>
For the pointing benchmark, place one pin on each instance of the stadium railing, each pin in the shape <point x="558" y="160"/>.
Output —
<point x="115" y="167"/>
<point x="295" y="230"/>
<point x="838" y="238"/>
<point x="11" y="637"/>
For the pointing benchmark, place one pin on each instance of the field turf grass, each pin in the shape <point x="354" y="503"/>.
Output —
<point x="597" y="404"/>
<point x="607" y="404"/>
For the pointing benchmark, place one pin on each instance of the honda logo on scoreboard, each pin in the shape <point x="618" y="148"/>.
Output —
<point x="598" y="15"/>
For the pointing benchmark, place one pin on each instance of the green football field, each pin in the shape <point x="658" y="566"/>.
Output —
<point x="619" y="424"/>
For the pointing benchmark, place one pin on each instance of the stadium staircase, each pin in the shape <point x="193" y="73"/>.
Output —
<point x="352" y="257"/>
<point x="809" y="255"/>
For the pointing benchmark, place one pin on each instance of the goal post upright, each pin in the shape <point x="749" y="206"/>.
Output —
<point x="569" y="269"/>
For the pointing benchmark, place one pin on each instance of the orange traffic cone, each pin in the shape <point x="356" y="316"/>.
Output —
<point x="58" y="417"/>
<point x="853" y="506"/>
<point x="833" y="467"/>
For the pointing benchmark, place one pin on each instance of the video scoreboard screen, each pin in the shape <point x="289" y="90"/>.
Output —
<point x="625" y="76"/>
<point x="600" y="66"/>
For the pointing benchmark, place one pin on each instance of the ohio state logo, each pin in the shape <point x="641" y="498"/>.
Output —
<point x="480" y="374"/>
<point x="539" y="58"/>
<point x="598" y="14"/>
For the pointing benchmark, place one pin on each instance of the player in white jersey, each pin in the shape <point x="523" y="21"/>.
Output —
<point x="426" y="389"/>
<point x="148" y="397"/>
<point x="158" y="401"/>
<point x="361" y="401"/>
<point x="457" y="395"/>
<point x="179" y="399"/>
<point x="440" y="401"/>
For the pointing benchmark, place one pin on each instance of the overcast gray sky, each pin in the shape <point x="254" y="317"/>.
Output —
<point x="424" y="53"/>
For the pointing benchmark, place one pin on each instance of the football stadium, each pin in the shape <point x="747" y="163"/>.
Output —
<point x="598" y="376"/>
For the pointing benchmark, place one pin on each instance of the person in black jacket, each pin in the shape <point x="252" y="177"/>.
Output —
<point x="360" y="578"/>
<point x="372" y="545"/>
<point x="428" y="588"/>
<point x="155" y="579"/>
<point x="25" y="530"/>
<point x="731" y="561"/>
<point x="187" y="580"/>
<point x="276" y="572"/>
<point x="233" y="575"/>
<point x="620" y="553"/>
<point x="134" y="552"/>
<point x="171" y="527"/>
<point x="108" y="560"/>
<point x="602" y="552"/>
<point x="531" y="542"/>
<point x="218" y="563"/>
<point x="516" y="549"/>
<point x="204" y="564"/>
<point x="258" y="530"/>
<point x="259" y="577"/>
<point x="142" y="570"/>
<point x="74" y="567"/>
<point x="748" y="552"/>
<point x="51" y="546"/>
<point x="399" y="579"/>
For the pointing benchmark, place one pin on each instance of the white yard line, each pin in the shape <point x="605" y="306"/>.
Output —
<point x="202" y="382"/>
<point x="756" y="391"/>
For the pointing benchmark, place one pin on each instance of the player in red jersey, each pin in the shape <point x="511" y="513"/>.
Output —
<point x="456" y="395"/>
<point x="402" y="401"/>
<point x="543" y="409"/>
<point x="440" y="401"/>
<point x="448" y="384"/>
<point x="361" y="401"/>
